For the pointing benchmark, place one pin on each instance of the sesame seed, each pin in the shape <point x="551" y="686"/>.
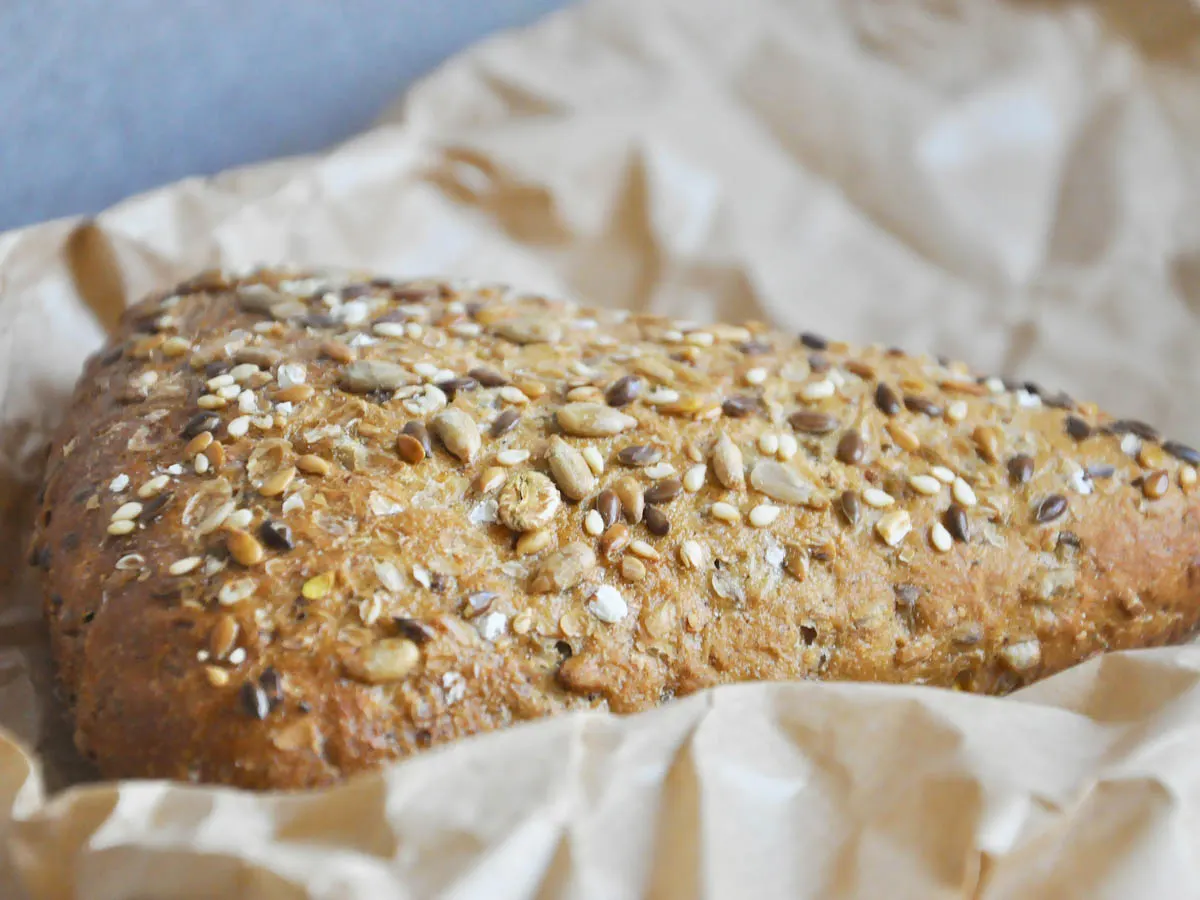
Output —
<point x="692" y="554"/>
<point x="388" y="329"/>
<point x="877" y="499"/>
<point x="643" y="549"/>
<point x="756" y="376"/>
<point x="957" y="411"/>
<point x="940" y="538"/>
<point x="247" y="403"/>
<point x="1156" y="484"/>
<point x="963" y="493"/>
<point x="893" y="527"/>
<point x="632" y="569"/>
<point x="128" y="510"/>
<point x="763" y="515"/>
<point x="725" y="512"/>
<point x="768" y="443"/>
<point x="661" y="396"/>
<point x="238" y="427"/>
<point x="593" y="523"/>
<point x="994" y="385"/>
<point x="121" y="526"/>
<point x="220" y="381"/>
<point x="943" y="474"/>
<point x="594" y="460"/>
<point x="1130" y="444"/>
<point x="699" y="339"/>
<point x="242" y="371"/>
<point x="210" y="401"/>
<point x="817" y="390"/>
<point x="183" y="566"/>
<point x="925" y="484"/>
<point x="239" y="519"/>
<point x="237" y="656"/>
<point x="512" y="457"/>
<point x="608" y="605"/>
<point x="229" y="392"/>
<point x="152" y="487"/>
<point x="788" y="446"/>
<point x="200" y="463"/>
<point x="293" y="503"/>
<point x="1187" y="477"/>
<point x="514" y="395"/>
<point x="660" y="470"/>
<point x="119" y="483"/>
<point x="693" y="479"/>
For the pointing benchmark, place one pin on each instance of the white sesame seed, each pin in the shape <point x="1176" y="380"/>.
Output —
<point x="693" y="479"/>
<point x="174" y="469"/>
<point x="942" y="474"/>
<point x="836" y="376"/>
<point x="725" y="512"/>
<point x="817" y="390"/>
<point x="202" y="655"/>
<point x="608" y="605"/>
<point x="229" y="392"/>
<point x="238" y="427"/>
<point x="444" y="375"/>
<point x="699" y="338"/>
<point x="152" y="487"/>
<point x="183" y="566"/>
<point x="219" y="381"/>
<point x="263" y="422"/>
<point x="963" y="493"/>
<point x="240" y="519"/>
<point x="492" y="626"/>
<point x="893" y="526"/>
<point x="593" y="523"/>
<point x="247" y="402"/>
<point x="876" y="498"/>
<point x="692" y="554"/>
<point x="200" y="463"/>
<point x="940" y="537"/>
<point x="768" y="443"/>
<point x="388" y="329"/>
<point x="119" y="483"/>
<point x="513" y="394"/>
<point x="661" y="395"/>
<point x="672" y="337"/>
<point x="1028" y="400"/>
<point x="925" y="484"/>
<point x="512" y="457"/>
<point x="763" y="515"/>
<point x="788" y="446"/>
<point x="234" y="592"/>
<point x="643" y="549"/>
<point x="425" y="370"/>
<point x="659" y="471"/>
<point x="210" y="401"/>
<point x="1187" y="476"/>
<point x="130" y="561"/>
<point x="121" y="526"/>
<point x="237" y="656"/>
<point x="582" y="369"/>
<point x="241" y="372"/>
<point x="466" y="329"/>
<point x="292" y="503"/>
<point x="413" y="330"/>
<point x="1130" y="443"/>
<point x="129" y="510"/>
<point x="594" y="459"/>
<point x="756" y="376"/>
<point x="957" y="411"/>
<point x="995" y="385"/>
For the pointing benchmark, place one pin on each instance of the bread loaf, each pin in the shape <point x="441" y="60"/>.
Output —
<point x="297" y="525"/>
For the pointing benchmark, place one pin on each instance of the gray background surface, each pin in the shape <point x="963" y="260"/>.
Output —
<point x="100" y="99"/>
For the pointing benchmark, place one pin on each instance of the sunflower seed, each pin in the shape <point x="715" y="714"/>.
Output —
<point x="780" y="483"/>
<point x="570" y="470"/>
<point x="593" y="420"/>
<point x="367" y="375"/>
<point x="727" y="463"/>
<point x="458" y="433"/>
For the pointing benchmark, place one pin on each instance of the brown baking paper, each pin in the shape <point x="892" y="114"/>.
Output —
<point x="1014" y="183"/>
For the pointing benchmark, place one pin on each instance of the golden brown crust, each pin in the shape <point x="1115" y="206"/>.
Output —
<point x="333" y="563"/>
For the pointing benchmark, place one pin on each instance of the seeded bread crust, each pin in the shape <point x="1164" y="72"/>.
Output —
<point x="298" y="525"/>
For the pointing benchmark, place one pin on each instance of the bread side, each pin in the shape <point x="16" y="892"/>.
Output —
<point x="296" y="526"/>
